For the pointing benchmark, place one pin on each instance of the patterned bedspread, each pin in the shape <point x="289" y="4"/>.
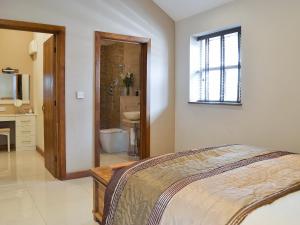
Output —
<point x="216" y="186"/>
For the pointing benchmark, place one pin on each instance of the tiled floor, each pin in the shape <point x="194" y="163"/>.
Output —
<point x="108" y="159"/>
<point x="29" y="195"/>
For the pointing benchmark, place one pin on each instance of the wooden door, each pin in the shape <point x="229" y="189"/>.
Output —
<point x="49" y="107"/>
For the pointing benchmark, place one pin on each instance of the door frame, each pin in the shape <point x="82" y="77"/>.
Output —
<point x="144" y="88"/>
<point x="60" y="33"/>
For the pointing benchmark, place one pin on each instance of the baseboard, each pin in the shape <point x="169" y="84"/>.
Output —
<point x="40" y="151"/>
<point x="77" y="175"/>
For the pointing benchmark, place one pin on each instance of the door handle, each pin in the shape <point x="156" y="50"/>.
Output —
<point x="43" y="108"/>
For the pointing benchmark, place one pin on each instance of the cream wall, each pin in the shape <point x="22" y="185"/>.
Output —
<point x="14" y="54"/>
<point x="82" y="18"/>
<point x="38" y="72"/>
<point x="14" y="50"/>
<point x="270" y="78"/>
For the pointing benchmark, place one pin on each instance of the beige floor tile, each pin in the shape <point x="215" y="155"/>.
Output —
<point x="30" y="195"/>
<point x="17" y="207"/>
<point x="108" y="159"/>
<point x="85" y="183"/>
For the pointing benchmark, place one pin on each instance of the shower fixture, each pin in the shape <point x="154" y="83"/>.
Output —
<point x="112" y="86"/>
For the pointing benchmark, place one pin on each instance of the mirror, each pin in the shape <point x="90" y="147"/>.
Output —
<point x="13" y="87"/>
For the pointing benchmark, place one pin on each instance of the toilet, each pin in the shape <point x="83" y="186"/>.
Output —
<point x="114" y="140"/>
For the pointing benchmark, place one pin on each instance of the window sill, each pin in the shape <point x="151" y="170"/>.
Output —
<point x="217" y="103"/>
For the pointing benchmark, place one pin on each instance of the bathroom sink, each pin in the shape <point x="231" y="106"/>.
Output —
<point x="134" y="116"/>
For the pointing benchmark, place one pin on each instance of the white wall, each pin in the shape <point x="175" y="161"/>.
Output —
<point x="82" y="18"/>
<point x="270" y="78"/>
<point x="38" y="73"/>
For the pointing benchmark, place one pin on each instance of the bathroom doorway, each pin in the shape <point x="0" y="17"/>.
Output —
<point x="122" y="122"/>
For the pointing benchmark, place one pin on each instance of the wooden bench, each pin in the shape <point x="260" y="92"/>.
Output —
<point x="102" y="176"/>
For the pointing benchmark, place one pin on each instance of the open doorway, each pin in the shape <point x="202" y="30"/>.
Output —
<point x="122" y="122"/>
<point x="32" y="109"/>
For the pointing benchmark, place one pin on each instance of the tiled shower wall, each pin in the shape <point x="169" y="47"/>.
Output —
<point x="116" y="58"/>
<point x="132" y="55"/>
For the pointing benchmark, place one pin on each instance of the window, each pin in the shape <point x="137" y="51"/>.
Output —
<point x="215" y="68"/>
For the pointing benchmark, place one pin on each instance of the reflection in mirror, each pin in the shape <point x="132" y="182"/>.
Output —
<point x="14" y="86"/>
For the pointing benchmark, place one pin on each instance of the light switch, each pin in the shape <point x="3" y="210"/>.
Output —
<point x="80" y="95"/>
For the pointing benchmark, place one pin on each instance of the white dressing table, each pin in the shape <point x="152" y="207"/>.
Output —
<point x="25" y="129"/>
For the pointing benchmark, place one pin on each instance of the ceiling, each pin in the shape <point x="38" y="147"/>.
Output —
<point x="180" y="9"/>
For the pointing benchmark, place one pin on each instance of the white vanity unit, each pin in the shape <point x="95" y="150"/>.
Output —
<point x="25" y="130"/>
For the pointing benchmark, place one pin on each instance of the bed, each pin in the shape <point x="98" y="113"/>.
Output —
<point x="227" y="185"/>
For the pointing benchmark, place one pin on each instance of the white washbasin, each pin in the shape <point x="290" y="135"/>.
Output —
<point x="134" y="116"/>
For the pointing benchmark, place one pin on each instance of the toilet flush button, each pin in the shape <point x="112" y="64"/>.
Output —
<point x="80" y="95"/>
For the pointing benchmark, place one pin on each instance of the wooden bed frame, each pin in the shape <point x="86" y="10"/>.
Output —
<point x="101" y="177"/>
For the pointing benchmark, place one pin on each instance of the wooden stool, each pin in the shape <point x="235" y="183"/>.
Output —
<point x="6" y="132"/>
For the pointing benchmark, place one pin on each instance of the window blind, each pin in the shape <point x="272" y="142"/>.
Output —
<point x="220" y="66"/>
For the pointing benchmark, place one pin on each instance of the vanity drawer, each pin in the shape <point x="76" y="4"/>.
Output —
<point x="25" y="131"/>
<point x="25" y="121"/>
<point x="25" y="144"/>
<point x="25" y="126"/>
<point x="25" y="141"/>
